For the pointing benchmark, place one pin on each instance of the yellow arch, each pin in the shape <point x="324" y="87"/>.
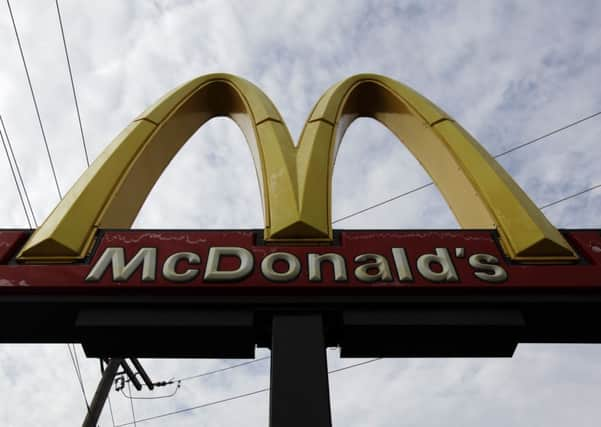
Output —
<point x="295" y="182"/>
<point x="478" y="190"/>
<point x="112" y="190"/>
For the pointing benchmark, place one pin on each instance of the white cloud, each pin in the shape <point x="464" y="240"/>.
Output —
<point x="508" y="71"/>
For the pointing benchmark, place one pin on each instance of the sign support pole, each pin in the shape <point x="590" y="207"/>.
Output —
<point x="299" y="395"/>
<point x="102" y="392"/>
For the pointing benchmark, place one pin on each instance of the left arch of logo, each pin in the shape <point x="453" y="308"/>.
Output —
<point x="295" y="181"/>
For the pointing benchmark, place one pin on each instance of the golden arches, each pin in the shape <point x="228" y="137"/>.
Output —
<point x="295" y="182"/>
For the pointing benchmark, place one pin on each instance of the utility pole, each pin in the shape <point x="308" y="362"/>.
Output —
<point x="104" y="387"/>
<point x="102" y="392"/>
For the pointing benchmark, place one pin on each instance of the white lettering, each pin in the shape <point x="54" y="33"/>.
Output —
<point x="315" y="261"/>
<point x="443" y="259"/>
<point x="365" y="272"/>
<point x="402" y="264"/>
<point x="171" y="274"/>
<point x="212" y="272"/>
<point x="492" y="273"/>
<point x="121" y="271"/>
<point x="294" y="267"/>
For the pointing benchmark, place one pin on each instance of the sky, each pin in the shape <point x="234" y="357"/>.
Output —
<point x="508" y="71"/>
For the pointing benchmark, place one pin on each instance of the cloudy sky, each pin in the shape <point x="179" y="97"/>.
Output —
<point x="507" y="71"/>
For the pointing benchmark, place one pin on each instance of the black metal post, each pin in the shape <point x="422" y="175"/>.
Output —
<point x="102" y="392"/>
<point x="299" y="395"/>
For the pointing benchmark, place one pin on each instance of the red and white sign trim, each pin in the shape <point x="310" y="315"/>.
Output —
<point x="232" y="262"/>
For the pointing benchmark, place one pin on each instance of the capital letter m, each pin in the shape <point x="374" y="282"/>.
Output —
<point x="115" y="257"/>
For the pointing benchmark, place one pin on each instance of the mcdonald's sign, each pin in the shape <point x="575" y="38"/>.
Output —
<point x="508" y="267"/>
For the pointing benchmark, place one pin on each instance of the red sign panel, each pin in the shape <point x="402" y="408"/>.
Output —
<point x="239" y="263"/>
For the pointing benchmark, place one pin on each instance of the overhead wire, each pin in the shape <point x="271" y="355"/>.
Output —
<point x="12" y="169"/>
<point x="111" y="409"/>
<point x="503" y="153"/>
<point x="35" y="102"/>
<point x="383" y="202"/>
<point x="238" y="396"/>
<point x="203" y="405"/>
<point x="571" y="196"/>
<point x="79" y="378"/>
<point x="178" y="381"/>
<point x="10" y="147"/>
<point x="545" y="206"/>
<point x="131" y="403"/>
<point x="355" y="365"/>
<point x="164" y="396"/>
<point x="75" y="360"/>
<point x="553" y="132"/>
<point x="77" y="364"/>
<point x="83" y="138"/>
<point x="216" y="371"/>
<point x="85" y="150"/>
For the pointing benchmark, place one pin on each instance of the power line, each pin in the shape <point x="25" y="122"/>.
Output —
<point x="383" y="202"/>
<point x="203" y="405"/>
<point x="35" y="103"/>
<point x="164" y="396"/>
<point x="71" y="348"/>
<point x="238" y="396"/>
<point x="131" y="402"/>
<point x="510" y="150"/>
<point x="78" y="375"/>
<point x="15" y="178"/>
<point x="83" y="139"/>
<point x="548" y="205"/>
<point x="204" y="374"/>
<point x="111" y="409"/>
<point x="571" y="196"/>
<point x="10" y="147"/>
<point x="178" y="381"/>
<point x="553" y="132"/>
<point x="354" y="365"/>
<point x="77" y="363"/>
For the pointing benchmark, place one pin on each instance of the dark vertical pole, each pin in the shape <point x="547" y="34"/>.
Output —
<point x="299" y="395"/>
<point x="102" y="391"/>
